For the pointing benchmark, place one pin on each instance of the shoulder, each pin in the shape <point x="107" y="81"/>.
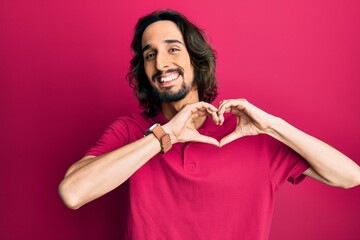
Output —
<point x="132" y="122"/>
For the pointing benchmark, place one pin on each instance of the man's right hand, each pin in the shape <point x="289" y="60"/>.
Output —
<point x="183" y="126"/>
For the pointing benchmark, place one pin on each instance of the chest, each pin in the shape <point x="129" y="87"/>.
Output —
<point x="200" y="169"/>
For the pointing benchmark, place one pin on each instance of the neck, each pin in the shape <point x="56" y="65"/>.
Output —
<point x="170" y="109"/>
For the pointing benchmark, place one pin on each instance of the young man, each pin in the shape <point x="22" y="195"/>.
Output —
<point x="201" y="171"/>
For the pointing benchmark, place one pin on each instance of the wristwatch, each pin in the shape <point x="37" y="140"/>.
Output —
<point x="161" y="135"/>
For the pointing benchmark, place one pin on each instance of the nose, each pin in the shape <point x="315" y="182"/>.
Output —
<point x="161" y="61"/>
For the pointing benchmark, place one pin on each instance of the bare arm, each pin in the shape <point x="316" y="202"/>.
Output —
<point x="92" y="177"/>
<point x="328" y="165"/>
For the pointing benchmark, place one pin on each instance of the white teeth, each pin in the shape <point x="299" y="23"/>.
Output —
<point x="169" y="78"/>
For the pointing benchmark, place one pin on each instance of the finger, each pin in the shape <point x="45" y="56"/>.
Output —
<point x="222" y="109"/>
<point x="210" y="107"/>
<point x="203" y="109"/>
<point x="222" y="103"/>
<point x="215" y="118"/>
<point x="240" y="104"/>
<point x="229" y="138"/>
<point x="206" y="139"/>
<point x="201" y="112"/>
<point x="221" y="119"/>
<point x="234" y="106"/>
<point x="213" y="114"/>
<point x="206" y="105"/>
<point x="226" y="105"/>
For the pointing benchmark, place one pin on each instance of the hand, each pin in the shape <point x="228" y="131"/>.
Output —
<point x="250" y="119"/>
<point x="182" y="127"/>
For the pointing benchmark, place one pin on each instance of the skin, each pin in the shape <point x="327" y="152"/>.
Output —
<point x="164" y="49"/>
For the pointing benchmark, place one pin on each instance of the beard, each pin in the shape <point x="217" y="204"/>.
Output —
<point x="169" y="96"/>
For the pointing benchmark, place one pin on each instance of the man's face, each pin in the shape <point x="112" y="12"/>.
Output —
<point x="166" y="61"/>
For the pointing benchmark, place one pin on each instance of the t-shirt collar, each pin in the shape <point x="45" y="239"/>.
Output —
<point x="208" y="125"/>
<point x="160" y="118"/>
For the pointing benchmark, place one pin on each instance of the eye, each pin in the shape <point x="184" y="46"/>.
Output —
<point x="174" y="50"/>
<point x="150" y="56"/>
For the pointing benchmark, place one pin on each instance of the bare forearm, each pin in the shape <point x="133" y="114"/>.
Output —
<point x="91" y="178"/>
<point x="329" y="163"/>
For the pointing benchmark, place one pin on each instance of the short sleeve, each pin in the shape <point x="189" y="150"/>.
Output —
<point x="285" y="164"/>
<point x="115" y="136"/>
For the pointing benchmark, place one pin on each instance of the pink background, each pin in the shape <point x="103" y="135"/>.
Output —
<point x="62" y="69"/>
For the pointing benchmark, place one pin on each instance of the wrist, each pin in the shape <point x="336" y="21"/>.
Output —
<point x="276" y="127"/>
<point x="167" y="129"/>
<point x="163" y="137"/>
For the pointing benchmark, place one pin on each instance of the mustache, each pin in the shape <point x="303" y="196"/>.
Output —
<point x="159" y="73"/>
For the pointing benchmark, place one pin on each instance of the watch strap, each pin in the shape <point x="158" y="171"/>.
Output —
<point x="163" y="137"/>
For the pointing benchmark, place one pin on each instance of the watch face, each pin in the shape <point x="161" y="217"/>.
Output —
<point x="153" y="126"/>
<point x="150" y="130"/>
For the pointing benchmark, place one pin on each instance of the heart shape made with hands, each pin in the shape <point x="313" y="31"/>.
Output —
<point x="250" y="120"/>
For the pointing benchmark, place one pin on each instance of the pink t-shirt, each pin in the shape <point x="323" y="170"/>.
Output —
<point x="199" y="191"/>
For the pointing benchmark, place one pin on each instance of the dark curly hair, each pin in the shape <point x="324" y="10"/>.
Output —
<point x="202" y="57"/>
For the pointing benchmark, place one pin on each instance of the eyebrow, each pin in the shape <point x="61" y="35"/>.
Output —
<point x="167" y="41"/>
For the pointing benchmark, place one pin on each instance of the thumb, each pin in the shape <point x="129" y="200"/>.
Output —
<point x="206" y="139"/>
<point x="227" y="139"/>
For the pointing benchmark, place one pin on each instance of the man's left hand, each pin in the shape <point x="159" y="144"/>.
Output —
<point x="250" y="119"/>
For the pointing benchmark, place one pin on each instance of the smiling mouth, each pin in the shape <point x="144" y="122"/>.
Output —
<point x="168" y="78"/>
